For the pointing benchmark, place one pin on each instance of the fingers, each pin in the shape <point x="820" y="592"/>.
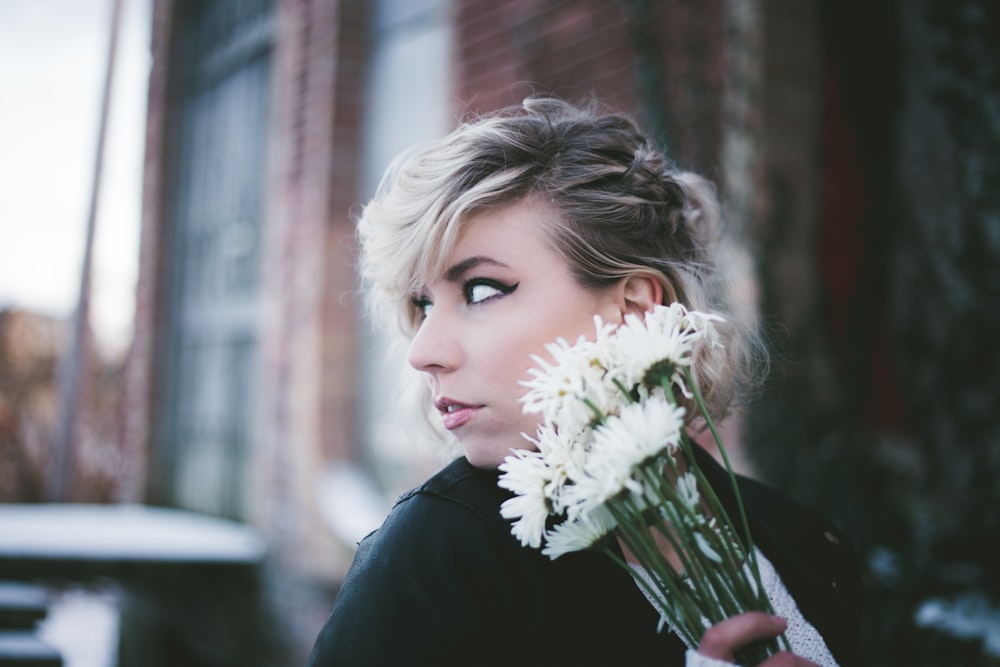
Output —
<point x="787" y="659"/>
<point x="723" y="639"/>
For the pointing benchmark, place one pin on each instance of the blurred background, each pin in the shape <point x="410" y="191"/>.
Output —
<point x="208" y="355"/>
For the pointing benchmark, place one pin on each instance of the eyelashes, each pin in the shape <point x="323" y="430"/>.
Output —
<point x="421" y="305"/>
<point x="482" y="290"/>
<point x="475" y="291"/>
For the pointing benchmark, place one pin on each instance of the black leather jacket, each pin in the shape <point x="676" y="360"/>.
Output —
<point x="443" y="582"/>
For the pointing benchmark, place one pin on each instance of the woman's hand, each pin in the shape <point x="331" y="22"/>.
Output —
<point x="724" y="639"/>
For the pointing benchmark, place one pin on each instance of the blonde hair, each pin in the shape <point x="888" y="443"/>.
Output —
<point x="624" y="209"/>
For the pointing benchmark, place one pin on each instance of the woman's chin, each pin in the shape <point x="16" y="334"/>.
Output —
<point x="489" y="456"/>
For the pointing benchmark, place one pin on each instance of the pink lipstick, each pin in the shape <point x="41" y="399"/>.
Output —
<point x="453" y="413"/>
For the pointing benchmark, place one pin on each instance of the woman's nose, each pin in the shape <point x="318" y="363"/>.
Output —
<point x="435" y="347"/>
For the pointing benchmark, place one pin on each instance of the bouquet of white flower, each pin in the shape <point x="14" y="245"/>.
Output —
<point x="613" y="460"/>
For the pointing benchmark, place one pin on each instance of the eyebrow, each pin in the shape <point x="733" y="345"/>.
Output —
<point x="456" y="271"/>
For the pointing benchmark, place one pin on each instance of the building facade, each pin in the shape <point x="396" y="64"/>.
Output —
<point x="257" y="389"/>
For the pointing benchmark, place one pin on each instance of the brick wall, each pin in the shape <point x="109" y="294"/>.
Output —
<point x="507" y="49"/>
<point x="309" y="344"/>
<point x="341" y="305"/>
<point x="308" y="319"/>
<point x="731" y="89"/>
<point x="675" y="65"/>
<point x="661" y="61"/>
<point x="787" y="230"/>
<point x="142" y="387"/>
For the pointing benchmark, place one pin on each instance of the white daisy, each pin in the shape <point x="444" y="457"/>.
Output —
<point x="687" y="491"/>
<point x="577" y="535"/>
<point x="557" y="389"/>
<point x="566" y="453"/>
<point x="642" y="431"/>
<point x="527" y="474"/>
<point x="705" y="323"/>
<point x="607" y="427"/>
<point x="574" y="389"/>
<point x="664" y="342"/>
<point x="706" y="549"/>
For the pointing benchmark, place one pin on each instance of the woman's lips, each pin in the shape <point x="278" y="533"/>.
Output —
<point x="457" y="417"/>
<point x="454" y="413"/>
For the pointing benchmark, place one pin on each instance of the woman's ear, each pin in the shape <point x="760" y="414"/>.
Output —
<point x="642" y="293"/>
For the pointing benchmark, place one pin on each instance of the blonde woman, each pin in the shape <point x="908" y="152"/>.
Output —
<point x="512" y="231"/>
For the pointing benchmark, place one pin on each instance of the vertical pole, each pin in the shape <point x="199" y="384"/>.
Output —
<point x="73" y="368"/>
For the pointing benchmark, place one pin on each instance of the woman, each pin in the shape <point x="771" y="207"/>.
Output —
<point x="513" y="231"/>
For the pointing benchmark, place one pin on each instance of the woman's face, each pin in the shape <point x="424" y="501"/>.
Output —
<point x="504" y="294"/>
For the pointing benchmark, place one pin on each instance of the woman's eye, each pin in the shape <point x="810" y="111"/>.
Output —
<point x="479" y="293"/>
<point x="422" y="305"/>
<point x="481" y="290"/>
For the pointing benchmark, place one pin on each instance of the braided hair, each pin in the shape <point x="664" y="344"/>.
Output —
<point x="623" y="208"/>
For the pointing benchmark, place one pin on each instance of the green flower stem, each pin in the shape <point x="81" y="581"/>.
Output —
<point x="599" y="416"/>
<point x="733" y="560"/>
<point x="736" y="492"/>
<point x="738" y="587"/>
<point x="624" y="390"/>
<point x="713" y="582"/>
<point x="672" y="616"/>
<point x="697" y="570"/>
<point x="760" y="597"/>
<point x="682" y="617"/>
<point x="649" y="553"/>
<point x="729" y="592"/>
<point x="731" y="551"/>
<point x="713" y="593"/>
<point x="696" y="584"/>
<point x="679" y="590"/>
<point x="706" y="488"/>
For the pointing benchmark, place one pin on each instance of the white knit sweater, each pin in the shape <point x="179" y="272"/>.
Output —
<point x="804" y="638"/>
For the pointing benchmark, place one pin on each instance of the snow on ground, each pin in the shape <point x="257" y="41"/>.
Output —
<point x="967" y="616"/>
<point x="115" y="533"/>
<point x="82" y="624"/>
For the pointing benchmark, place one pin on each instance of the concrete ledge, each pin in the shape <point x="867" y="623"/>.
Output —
<point x="24" y="649"/>
<point x="124" y="533"/>
<point x="85" y="541"/>
<point x="22" y="605"/>
<point x="190" y="582"/>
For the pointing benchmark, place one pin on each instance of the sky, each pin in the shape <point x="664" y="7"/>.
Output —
<point x="53" y="56"/>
